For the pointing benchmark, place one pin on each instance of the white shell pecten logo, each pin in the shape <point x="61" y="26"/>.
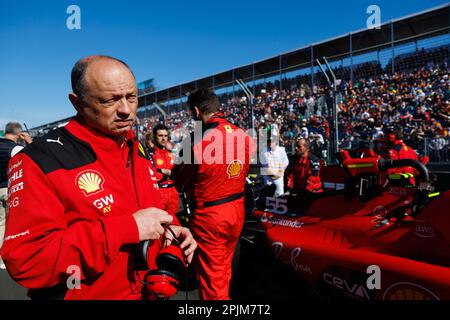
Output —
<point x="90" y="182"/>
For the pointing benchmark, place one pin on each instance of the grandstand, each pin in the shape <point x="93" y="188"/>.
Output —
<point x="395" y="75"/>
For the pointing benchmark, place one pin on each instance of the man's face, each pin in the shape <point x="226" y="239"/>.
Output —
<point x="161" y="138"/>
<point x="301" y="148"/>
<point x="110" y="98"/>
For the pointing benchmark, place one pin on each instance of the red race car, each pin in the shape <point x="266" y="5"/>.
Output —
<point x="374" y="236"/>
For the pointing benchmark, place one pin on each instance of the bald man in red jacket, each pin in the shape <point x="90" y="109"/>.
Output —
<point x="84" y="195"/>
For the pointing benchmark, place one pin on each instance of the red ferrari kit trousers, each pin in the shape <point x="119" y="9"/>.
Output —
<point x="216" y="230"/>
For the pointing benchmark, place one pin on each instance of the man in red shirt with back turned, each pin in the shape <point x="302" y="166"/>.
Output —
<point x="163" y="161"/>
<point x="84" y="195"/>
<point x="213" y="175"/>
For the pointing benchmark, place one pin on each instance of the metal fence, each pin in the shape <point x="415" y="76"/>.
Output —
<point x="437" y="149"/>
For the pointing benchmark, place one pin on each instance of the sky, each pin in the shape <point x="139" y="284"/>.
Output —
<point x="170" y="41"/>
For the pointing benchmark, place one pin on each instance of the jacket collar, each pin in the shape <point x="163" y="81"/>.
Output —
<point x="77" y="127"/>
<point x="216" y="117"/>
<point x="304" y="158"/>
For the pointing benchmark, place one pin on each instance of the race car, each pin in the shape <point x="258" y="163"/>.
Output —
<point x="370" y="236"/>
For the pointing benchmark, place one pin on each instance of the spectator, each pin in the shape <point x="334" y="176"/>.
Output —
<point x="9" y="147"/>
<point x="277" y="161"/>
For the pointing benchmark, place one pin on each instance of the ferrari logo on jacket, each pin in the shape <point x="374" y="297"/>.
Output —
<point x="234" y="169"/>
<point x="90" y="182"/>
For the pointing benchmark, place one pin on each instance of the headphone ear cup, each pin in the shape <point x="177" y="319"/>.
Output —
<point x="171" y="259"/>
<point x="162" y="283"/>
<point x="141" y="255"/>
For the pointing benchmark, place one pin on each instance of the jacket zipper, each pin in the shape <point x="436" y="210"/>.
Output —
<point x="130" y="162"/>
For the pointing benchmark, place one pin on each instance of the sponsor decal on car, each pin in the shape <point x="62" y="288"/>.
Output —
<point x="337" y="281"/>
<point x="281" y="221"/>
<point x="408" y="291"/>
<point x="348" y="288"/>
<point x="425" y="231"/>
<point x="277" y="247"/>
<point x="297" y="266"/>
<point x="293" y="257"/>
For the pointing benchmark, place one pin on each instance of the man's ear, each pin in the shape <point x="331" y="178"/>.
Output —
<point x="75" y="100"/>
<point x="197" y="112"/>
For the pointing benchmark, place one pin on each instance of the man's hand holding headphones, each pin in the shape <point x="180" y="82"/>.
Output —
<point x="184" y="236"/>
<point x="152" y="222"/>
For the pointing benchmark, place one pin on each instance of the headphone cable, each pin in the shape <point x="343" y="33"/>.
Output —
<point x="185" y="270"/>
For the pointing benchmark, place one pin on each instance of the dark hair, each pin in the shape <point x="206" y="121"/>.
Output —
<point x="13" y="128"/>
<point x="204" y="99"/>
<point x="159" y="126"/>
<point x="79" y="71"/>
<point x="397" y="132"/>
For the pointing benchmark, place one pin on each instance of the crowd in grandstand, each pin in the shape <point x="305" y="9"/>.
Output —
<point x="417" y="101"/>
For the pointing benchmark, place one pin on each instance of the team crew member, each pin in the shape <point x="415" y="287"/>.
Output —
<point x="163" y="161"/>
<point x="9" y="147"/>
<point x="397" y="149"/>
<point x="303" y="172"/>
<point x="82" y="196"/>
<point x="214" y="178"/>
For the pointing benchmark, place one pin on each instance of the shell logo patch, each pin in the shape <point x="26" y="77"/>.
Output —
<point x="408" y="291"/>
<point x="90" y="182"/>
<point x="228" y="128"/>
<point x="234" y="169"/>
<point x="159" y="162"/>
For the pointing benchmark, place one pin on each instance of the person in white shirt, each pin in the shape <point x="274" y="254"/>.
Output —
<point x="277" y="161"/>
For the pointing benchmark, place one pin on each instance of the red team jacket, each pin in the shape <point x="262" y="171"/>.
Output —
<point x="220" y="162"/>
<point x="399" y="150"/>
<point x="72" y="196"/>
<point x="162" y="159"/>
<point x="304" y="173"/>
